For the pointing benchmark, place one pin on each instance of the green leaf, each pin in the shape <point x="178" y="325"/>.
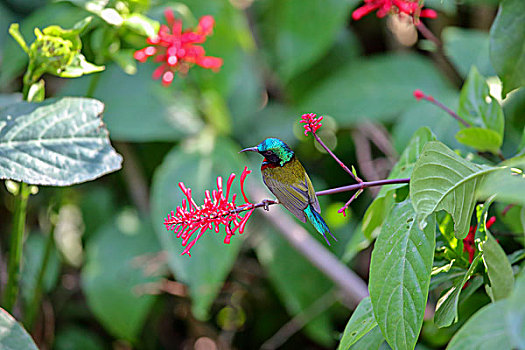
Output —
<point x="8" y="99"/>
<point x="373" y="340"/>
<point x="498" y="268"/>
<point x="508" y="184"/>
<point x="295" y="43"/>
<point x="361" y="322"/>
<point x="114" y="275"/>
<point x="58" y="142"/>
<point x="514" y="320"/>
<point x="156" y="114"/>
<point x="485" y="330"/>
<point x="13" y="335"/>
<point x="467" y="48"/>
<point x="400" y="275"/>
<point x="480" y="139"/>
<point x="447" y="305"/>
<point x="377" y="88"/>
<point x="286" y="269"/>
<point x="442" y="180"/>
<point x="380" y="207"/>
<point x="477" y="106"/>
<point x="507" y="44"/>
<point x="197" y="166"/>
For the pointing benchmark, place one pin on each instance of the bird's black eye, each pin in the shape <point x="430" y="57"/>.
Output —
<point x="268" y="153"/>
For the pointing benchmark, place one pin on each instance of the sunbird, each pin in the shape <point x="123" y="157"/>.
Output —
<point x="286" y="178"/>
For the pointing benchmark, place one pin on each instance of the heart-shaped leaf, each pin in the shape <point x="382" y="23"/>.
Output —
<point x="12" y="335"/>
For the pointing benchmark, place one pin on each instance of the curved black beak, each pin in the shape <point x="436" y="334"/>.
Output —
<point x="252" y="149"/>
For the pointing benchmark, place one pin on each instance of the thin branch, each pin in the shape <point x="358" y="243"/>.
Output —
<point x="345" y="168"/>
<point x="351" y="285"/>
<point x="427" y="33"/>
<point x="418" y="94"/>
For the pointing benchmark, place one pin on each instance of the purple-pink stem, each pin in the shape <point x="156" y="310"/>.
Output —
<point x="359" y="186"/>
<point x="419" y="94"/>
<point x="355" y="177"/>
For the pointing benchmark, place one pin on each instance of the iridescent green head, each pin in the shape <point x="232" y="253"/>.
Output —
<point x="274" y="151"/>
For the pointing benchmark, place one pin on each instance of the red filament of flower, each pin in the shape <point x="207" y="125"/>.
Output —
<point x="217" y="210"/>
<point x="311" y="123"/>
<point x="176" y="49"/>
<point x="411" y="8"/>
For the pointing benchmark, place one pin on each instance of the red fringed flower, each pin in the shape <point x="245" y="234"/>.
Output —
<point x="411" y="8"/>
<point x="216" y="210"/>
<point x="311" y="123"/>
<point x="176" y="49"/>
<point x="468" y="242"/>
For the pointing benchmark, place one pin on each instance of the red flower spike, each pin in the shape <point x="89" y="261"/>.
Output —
<point x="311" y="123"/>
<point x="217" y="210"/>
<point x="177" y="50"/>
<point x="411" y="8"/>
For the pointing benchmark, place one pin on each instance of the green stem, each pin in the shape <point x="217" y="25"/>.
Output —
<point x="93" y="85"/>
<point x="37" y="296"/>
<point x="15" y="252"/>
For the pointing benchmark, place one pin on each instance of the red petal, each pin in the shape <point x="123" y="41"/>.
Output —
<point x="428" y="13"/>
<point x="210" y="62"/>
<point x="170" y="17"/>
<point x="363" y="11"/>
<point x="157" y="73"/>
<point x="418" y="94"/>
<point x="205" y="26"/>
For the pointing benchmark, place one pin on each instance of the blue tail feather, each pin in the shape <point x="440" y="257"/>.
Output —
<point x="318" y="222"/>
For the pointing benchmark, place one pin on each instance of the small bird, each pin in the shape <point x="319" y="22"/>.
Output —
<point x="286" y="178"/>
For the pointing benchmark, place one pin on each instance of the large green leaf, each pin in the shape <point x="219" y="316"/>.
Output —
<point x="442" y="180"/>
<point x="380" y="207"/>
<point x="296" y="43"/>
<point x="467" y="48"/>
<point x="507" y="44"/>
<point x="514" y="319"/>
<point x="477" y="106"/>
<point x="58" y="142"/>
<point x="197" y="165"/>
<point x="115" y="271"/>
<point x="373" y="340"/>
<point x="377" y="88"/>
<point x="361" y="322"/>
<point x="74" y="337"/>
<point x="485" y="330"/>
<point x="498" y="268"/>
<point x="286" y="269"/>
<point x="400" y="275"/>
<point x="139" y="108"/>
<point x="12" y="335"/>
<point x="447" y="305"/>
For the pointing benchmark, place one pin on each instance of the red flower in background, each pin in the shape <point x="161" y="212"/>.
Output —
<point x="216" y="210"/>
<point x="176" y="49"/>
<point x="411" y="8"/>
<point x="468" y="242"/>
<point x="311" y="123"/>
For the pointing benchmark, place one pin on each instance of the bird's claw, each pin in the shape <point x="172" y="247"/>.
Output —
<point x="267" y="203"/>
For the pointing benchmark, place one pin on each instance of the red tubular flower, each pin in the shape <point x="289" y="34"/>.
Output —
<point x="217" y="210"/>
<point x="311" y="123"/>
<point x="411" y="8"/>
<point x="468" y="242"/>
<point x="176" y="49"/>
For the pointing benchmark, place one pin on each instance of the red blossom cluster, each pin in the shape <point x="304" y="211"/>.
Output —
<point x="216" y="210"/>
<point x="468" y="242"/>
<point x="412" y="8"/>
<point x="176" y="49"/>
<point x="311" y="123"/>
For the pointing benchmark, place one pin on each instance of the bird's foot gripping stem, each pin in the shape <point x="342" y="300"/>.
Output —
<point x="267" y="203"/>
